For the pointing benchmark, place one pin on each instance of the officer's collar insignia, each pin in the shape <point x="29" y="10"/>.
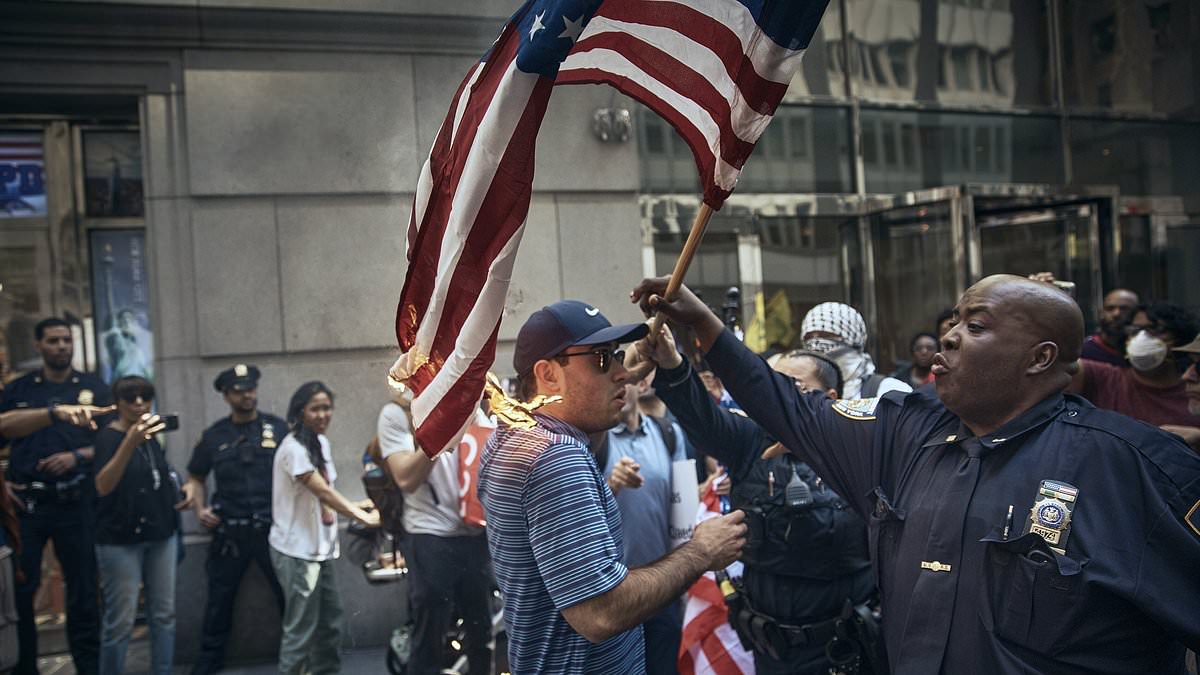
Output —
<point x="1050" y="517"/>
<point x="241" y="370"/>
<point x="86" y="397"/>
<point x="862" y="409"/>
<point x="1193" y="518"/>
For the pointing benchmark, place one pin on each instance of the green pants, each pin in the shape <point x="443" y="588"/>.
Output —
<point x="312" y="616"/>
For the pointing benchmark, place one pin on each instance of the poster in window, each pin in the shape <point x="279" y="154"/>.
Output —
<point x="112" y="169"/>
<point x="22" y="175"/>
<point x="121" y="298"/>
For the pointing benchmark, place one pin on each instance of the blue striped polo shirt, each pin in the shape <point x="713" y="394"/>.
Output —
<point x="554" y="531"/>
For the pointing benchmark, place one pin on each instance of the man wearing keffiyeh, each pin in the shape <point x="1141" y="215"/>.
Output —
<point x="839" y="332"/>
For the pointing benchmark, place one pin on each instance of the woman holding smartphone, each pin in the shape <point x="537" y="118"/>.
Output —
<point x="136" y="528"/>
<point x="304" y="535"/>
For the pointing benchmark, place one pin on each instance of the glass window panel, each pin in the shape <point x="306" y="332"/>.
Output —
<point x="1142" y="158"/>
<point x="953" y="148"/>
<point x="1183" y="284"/>
<point x="898" y="55"/>
<point x="823" y="134"/>
<point x="22" y="175"/>
<point x="889" y="144"/>
<point x="112" y="174"/>
<point x="997" y="53"/>
<point x="785" y="159"/>
<point x="799" y="136"/>
<point x="821" y="71"/>
<point x="915" y="275"/>
<point x="1137" y="57"/>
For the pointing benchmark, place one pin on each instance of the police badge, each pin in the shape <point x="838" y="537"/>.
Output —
<point x="268" y="435"/>
<point x="1050" y="517"/>
<point x="86" y="397"/>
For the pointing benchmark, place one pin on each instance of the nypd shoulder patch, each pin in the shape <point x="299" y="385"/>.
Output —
<point x="1193" y="518"/>
<point x="862" y="409"/>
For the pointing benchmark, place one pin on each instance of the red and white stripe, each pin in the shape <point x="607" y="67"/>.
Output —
<point x="709" y="645"/>
<point x="703" y="65"/>
<point x="467" y="220"/>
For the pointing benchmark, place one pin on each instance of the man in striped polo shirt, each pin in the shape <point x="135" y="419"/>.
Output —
<point x="554" y="529"/>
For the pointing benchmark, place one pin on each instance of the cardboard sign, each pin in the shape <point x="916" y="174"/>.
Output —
<point x="470" y="451"/>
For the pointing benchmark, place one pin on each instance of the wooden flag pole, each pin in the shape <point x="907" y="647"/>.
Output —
<point x="685" y="259"/>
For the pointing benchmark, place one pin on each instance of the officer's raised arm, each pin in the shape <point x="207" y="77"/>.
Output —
<point x="837" y="439"/>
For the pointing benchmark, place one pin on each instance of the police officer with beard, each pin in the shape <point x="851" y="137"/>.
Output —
<point x="239" y="450"/>
<point x="802" y="606"/>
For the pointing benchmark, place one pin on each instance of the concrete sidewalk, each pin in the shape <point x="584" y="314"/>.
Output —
<point x="354" y="662"/>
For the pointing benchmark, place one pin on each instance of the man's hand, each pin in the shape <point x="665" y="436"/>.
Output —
<point x="625" y="475"/>
<point x="81" y="415"/>
<point x="686" y="309"/>
<point x="57" y="464"/>
<point x="189" y="497"/>
<point x="1190" y="435"/>
<point x="720" y="540"/>
<point x="208" y="518"/>
<point x="659" y="349"/>
<point x="774" y="451"/>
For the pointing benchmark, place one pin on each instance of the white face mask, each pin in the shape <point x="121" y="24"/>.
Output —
<point x="1145" y="352"/>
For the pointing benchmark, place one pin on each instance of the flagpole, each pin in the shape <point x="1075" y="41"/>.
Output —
<point x="685" y="260"/>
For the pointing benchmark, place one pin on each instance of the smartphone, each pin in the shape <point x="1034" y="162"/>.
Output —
<point x="171" y="421"/>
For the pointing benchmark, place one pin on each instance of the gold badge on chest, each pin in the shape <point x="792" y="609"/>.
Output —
<point x="1050" y="517"/>
<point x="268" y="436"/>
<point x="86" y="397"/>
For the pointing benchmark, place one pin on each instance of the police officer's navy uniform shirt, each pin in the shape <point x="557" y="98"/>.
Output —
<point x="554" y="531"/>
<point x="34" y="391"/>
<point x="960" y="597"/>
<point x="241" y="458"/>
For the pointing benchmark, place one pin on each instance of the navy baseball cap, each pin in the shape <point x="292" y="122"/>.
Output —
<point x="567" y="323"/>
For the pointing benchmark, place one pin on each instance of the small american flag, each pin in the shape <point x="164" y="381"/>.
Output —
<point x="715" y="69"/>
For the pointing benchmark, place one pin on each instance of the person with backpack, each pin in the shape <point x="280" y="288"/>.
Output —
<point x="447" y="558"/>
<point x="636" y="456"/>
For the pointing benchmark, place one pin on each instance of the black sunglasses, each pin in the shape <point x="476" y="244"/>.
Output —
<point x="606" y="356"/>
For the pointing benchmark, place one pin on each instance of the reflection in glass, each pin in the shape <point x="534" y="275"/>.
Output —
<point x="1054" y="239"/>
<point x="112" y="168"/>
<point x="954" y="148"/>
<point x="1142" y="158"/>
<point x="980" y="53"/>
<point x="916" y="277"/>
<point x="1183" y="284"/>
<point x="1136" y="57"/>
<point x="804" y="149"/>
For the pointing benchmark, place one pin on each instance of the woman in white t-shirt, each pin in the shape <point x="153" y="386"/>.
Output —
<point x="304" y="535"/>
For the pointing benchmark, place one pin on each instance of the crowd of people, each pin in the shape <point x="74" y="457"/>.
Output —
<point x="86" y="472"/>
<point x="1014" y="499"/>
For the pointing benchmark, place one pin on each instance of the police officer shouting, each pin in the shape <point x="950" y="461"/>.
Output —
<point x="1014" y="529"/>
<point x="48" y="416"/>
<point x="239" y="451"/>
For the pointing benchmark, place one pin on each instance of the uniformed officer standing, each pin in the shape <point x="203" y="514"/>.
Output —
<point x="48" y="417"/>
<point x="239" y="450"/>
<point x="1013" y="529"/>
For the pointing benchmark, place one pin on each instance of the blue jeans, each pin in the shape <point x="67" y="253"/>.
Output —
<point x="122" y="569"/>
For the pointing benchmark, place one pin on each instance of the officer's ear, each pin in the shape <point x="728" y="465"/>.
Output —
<point x="550" y="377"/>
<point x="1043" y="356"/>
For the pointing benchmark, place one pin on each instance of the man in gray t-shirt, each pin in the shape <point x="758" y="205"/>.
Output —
<point x="447" y="559"/>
